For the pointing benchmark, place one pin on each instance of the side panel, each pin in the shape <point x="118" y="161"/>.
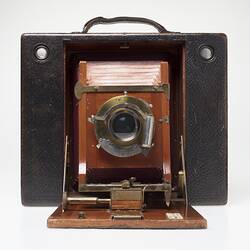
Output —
<point x="206" y="120"/>
<point x="42" y="121"/>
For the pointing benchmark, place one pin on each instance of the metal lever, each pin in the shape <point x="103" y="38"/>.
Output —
<point x="148" y="132"/>
<point x="64" y="171"/>
<point x="184" y="171"/>
<point x="86" y="200"/>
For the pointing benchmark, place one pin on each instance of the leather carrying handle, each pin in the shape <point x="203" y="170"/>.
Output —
<point x="122" y="19"/>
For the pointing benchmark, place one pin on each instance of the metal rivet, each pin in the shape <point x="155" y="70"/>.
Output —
<point x="206" y="52"/>
<point x="41" y="52"/>
<point x="81" y="215"/>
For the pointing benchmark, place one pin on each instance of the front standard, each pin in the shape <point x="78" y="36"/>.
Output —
<point x="124" y="130"/>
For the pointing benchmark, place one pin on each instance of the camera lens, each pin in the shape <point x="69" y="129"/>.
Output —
<point x="125" y="126"/>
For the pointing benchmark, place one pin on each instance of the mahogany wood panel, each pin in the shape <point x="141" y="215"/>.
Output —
<point x="165" y="127"/>
<point x="94" y="162"/>
<point x="100" y="159"/>
<point x="102" y="218"/>
<point x="82" y="157"/>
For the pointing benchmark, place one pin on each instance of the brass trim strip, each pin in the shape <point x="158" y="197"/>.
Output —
<point x="157" y="187"/>
<point x="127" y="217"/>
<point x="79" y="89"/>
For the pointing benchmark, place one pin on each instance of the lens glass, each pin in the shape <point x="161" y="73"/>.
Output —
<point x="125" y="126"/>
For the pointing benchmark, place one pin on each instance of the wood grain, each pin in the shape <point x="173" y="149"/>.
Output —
<point x="97" y="161"/>
<point x="153" y="218"/>
<point x="82" y="143"/>
<point x="165" y="127"/>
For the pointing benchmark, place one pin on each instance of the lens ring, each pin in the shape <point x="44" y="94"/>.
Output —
<point x="138" y="108"/>
<point x="124" y="125"/>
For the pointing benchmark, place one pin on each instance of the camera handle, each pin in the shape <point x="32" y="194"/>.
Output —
<point x="123" y="19"/>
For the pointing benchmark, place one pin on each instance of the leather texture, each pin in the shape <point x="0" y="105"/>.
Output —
<point x="42" y="128"/>
<point x="206" y="116"/>
<point x="42" y="108"/>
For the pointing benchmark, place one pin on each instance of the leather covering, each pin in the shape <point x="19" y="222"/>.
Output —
<point x="42" y="107"/>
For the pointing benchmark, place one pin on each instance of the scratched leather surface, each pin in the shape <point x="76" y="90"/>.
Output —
<point x="42" y="108"/>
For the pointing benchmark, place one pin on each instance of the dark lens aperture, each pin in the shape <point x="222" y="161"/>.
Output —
<point x="125" y="126"/>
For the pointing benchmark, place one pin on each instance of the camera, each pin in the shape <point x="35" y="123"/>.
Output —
<point x="124" y="130"/>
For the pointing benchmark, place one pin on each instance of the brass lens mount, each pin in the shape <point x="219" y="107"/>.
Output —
<point x="122" y="126"/>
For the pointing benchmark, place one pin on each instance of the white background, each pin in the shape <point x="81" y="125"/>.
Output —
<point x="25" y="227"/>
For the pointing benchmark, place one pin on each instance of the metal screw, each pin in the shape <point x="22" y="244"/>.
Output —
<point x="125" y="184"/>
<point x="91" y="119"/>
<point x="81" y="215"/>
<point x="99" y="143"/>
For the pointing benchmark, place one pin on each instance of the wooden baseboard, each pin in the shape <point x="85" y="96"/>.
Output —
<point x="172" y="218"/>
